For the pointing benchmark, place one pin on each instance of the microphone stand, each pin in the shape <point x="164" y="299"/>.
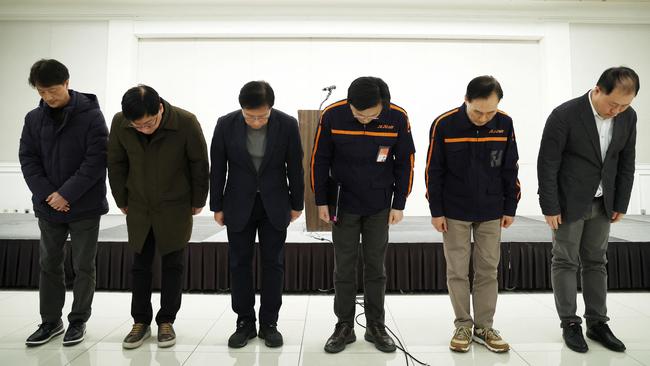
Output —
<point x="329" y="92"/>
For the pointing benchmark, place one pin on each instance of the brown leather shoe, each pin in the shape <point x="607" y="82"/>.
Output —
<point x="166" y="335"/>
<point x="136" y="336"/>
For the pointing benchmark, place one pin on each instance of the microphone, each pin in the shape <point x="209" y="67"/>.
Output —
<point x="328" y="89"/>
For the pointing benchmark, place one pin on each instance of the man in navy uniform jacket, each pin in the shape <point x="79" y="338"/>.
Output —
<point x="364" y="145"/>
<point x="472" y="188"/>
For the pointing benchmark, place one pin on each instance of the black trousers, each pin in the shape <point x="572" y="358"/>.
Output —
<point x="240" y="252"/>
<point x="373" y="230"/>
<point x="171" y="284"/>
<point x="83" y="249"/>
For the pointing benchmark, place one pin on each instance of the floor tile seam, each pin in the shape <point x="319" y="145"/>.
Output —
<point x="98" y="341"/>
<point x="636" y="359"/>
<point x="214" y="323"/>
<point x="304" y="329"/>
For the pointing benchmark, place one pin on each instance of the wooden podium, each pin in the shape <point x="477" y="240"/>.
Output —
<point x="308" y="124"/>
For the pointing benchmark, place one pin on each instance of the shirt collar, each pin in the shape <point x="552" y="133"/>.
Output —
<point x="593" y="110"/>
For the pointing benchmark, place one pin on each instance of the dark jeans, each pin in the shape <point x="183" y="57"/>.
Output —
<point x="241" y="247"/>
<point x="374" y="240"/>
<point x="83" y="249"/>
<point x="575" y="244"/>
<point x="171" y="284"/>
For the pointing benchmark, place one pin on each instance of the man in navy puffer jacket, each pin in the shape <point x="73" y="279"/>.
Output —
<point x="63" y="159"/>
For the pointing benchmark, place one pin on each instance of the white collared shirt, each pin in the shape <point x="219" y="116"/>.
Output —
<point x="604" y="127"/>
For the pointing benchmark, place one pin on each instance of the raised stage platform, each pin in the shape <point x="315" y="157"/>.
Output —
<point x="414" y="262"/>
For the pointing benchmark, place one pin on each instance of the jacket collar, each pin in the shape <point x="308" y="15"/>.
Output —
<point x="271" y="137"/>
<point x="589" y="122"/>
<point x="169" y="119"/>
<point x="241" y="136"/>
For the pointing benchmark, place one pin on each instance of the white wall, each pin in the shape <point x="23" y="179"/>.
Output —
<point x="595" y="47"/>
<point x="207" y="74"/>
<point x="81" y="46"/>
<point x="200" y="65"/>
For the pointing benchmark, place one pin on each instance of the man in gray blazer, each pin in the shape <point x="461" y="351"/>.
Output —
<point x="585" y="170"/>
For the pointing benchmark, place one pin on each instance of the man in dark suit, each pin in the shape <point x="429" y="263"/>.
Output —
<point x="585" y="170"/>
<point x="257" y="156"/>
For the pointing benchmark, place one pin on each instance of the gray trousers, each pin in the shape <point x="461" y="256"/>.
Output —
<point x="83" y="249"/>
<point x="582" y="243"/>
<point x="374" y="240"/>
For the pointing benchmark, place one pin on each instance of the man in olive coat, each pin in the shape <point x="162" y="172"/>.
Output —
<point x="158" y="173"/>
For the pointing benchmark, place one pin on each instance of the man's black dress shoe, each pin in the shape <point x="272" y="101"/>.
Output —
<point x="376" y="333"/>
<point x="244" y="332"/>
<point x="270" y="335"/>
<point x="44" y="333"/>
<point x="573" y="338"/>
<point x="343" y="335"/>
<point x="74" y="334"/>
<point x="603" y="335"/>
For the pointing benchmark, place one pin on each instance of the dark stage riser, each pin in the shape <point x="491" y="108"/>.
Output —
<point x="410" y="267"/>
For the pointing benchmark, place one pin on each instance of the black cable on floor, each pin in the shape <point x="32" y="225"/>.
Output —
<point x="400" y="346"/>
<point x="319" y="237"/>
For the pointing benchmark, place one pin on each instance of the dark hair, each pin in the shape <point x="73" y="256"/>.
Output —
<point x="368" y="91"/>
<point x="140" y="101"/>
<point x="255" y="94"/>
<point x="481" y="87"/>
<point x="622" y="77"/>
<point x="47" y="73"/>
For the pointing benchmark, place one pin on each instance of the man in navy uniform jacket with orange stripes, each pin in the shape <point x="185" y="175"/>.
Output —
<point x="364" y="146"/>
<point x="472" y="186"/>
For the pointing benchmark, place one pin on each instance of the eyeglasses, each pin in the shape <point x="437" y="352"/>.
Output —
<point x="148" y="124"/>
<point x="250" y="118"/>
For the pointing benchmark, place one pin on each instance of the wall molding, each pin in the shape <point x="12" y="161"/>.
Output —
<point x="633" y="12"/>
<point x="366" y="29"/>
<point x="10" y="168"/>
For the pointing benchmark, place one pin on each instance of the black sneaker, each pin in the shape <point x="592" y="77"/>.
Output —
<point x="376" y="333"/>
<point x="44" y="333"/>
<point x="270" y="335"/>
<point x="342" y="336"/>
<point x="74" y="334"/>
<point x="136" y="336"/>
<point x="573" y="338"/>
<point x="244" y="332"/>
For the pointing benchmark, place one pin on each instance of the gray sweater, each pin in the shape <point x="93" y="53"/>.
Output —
<point x="256" y="144"/>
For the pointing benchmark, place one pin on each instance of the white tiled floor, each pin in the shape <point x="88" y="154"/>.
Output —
<point x="423" y="322"/>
